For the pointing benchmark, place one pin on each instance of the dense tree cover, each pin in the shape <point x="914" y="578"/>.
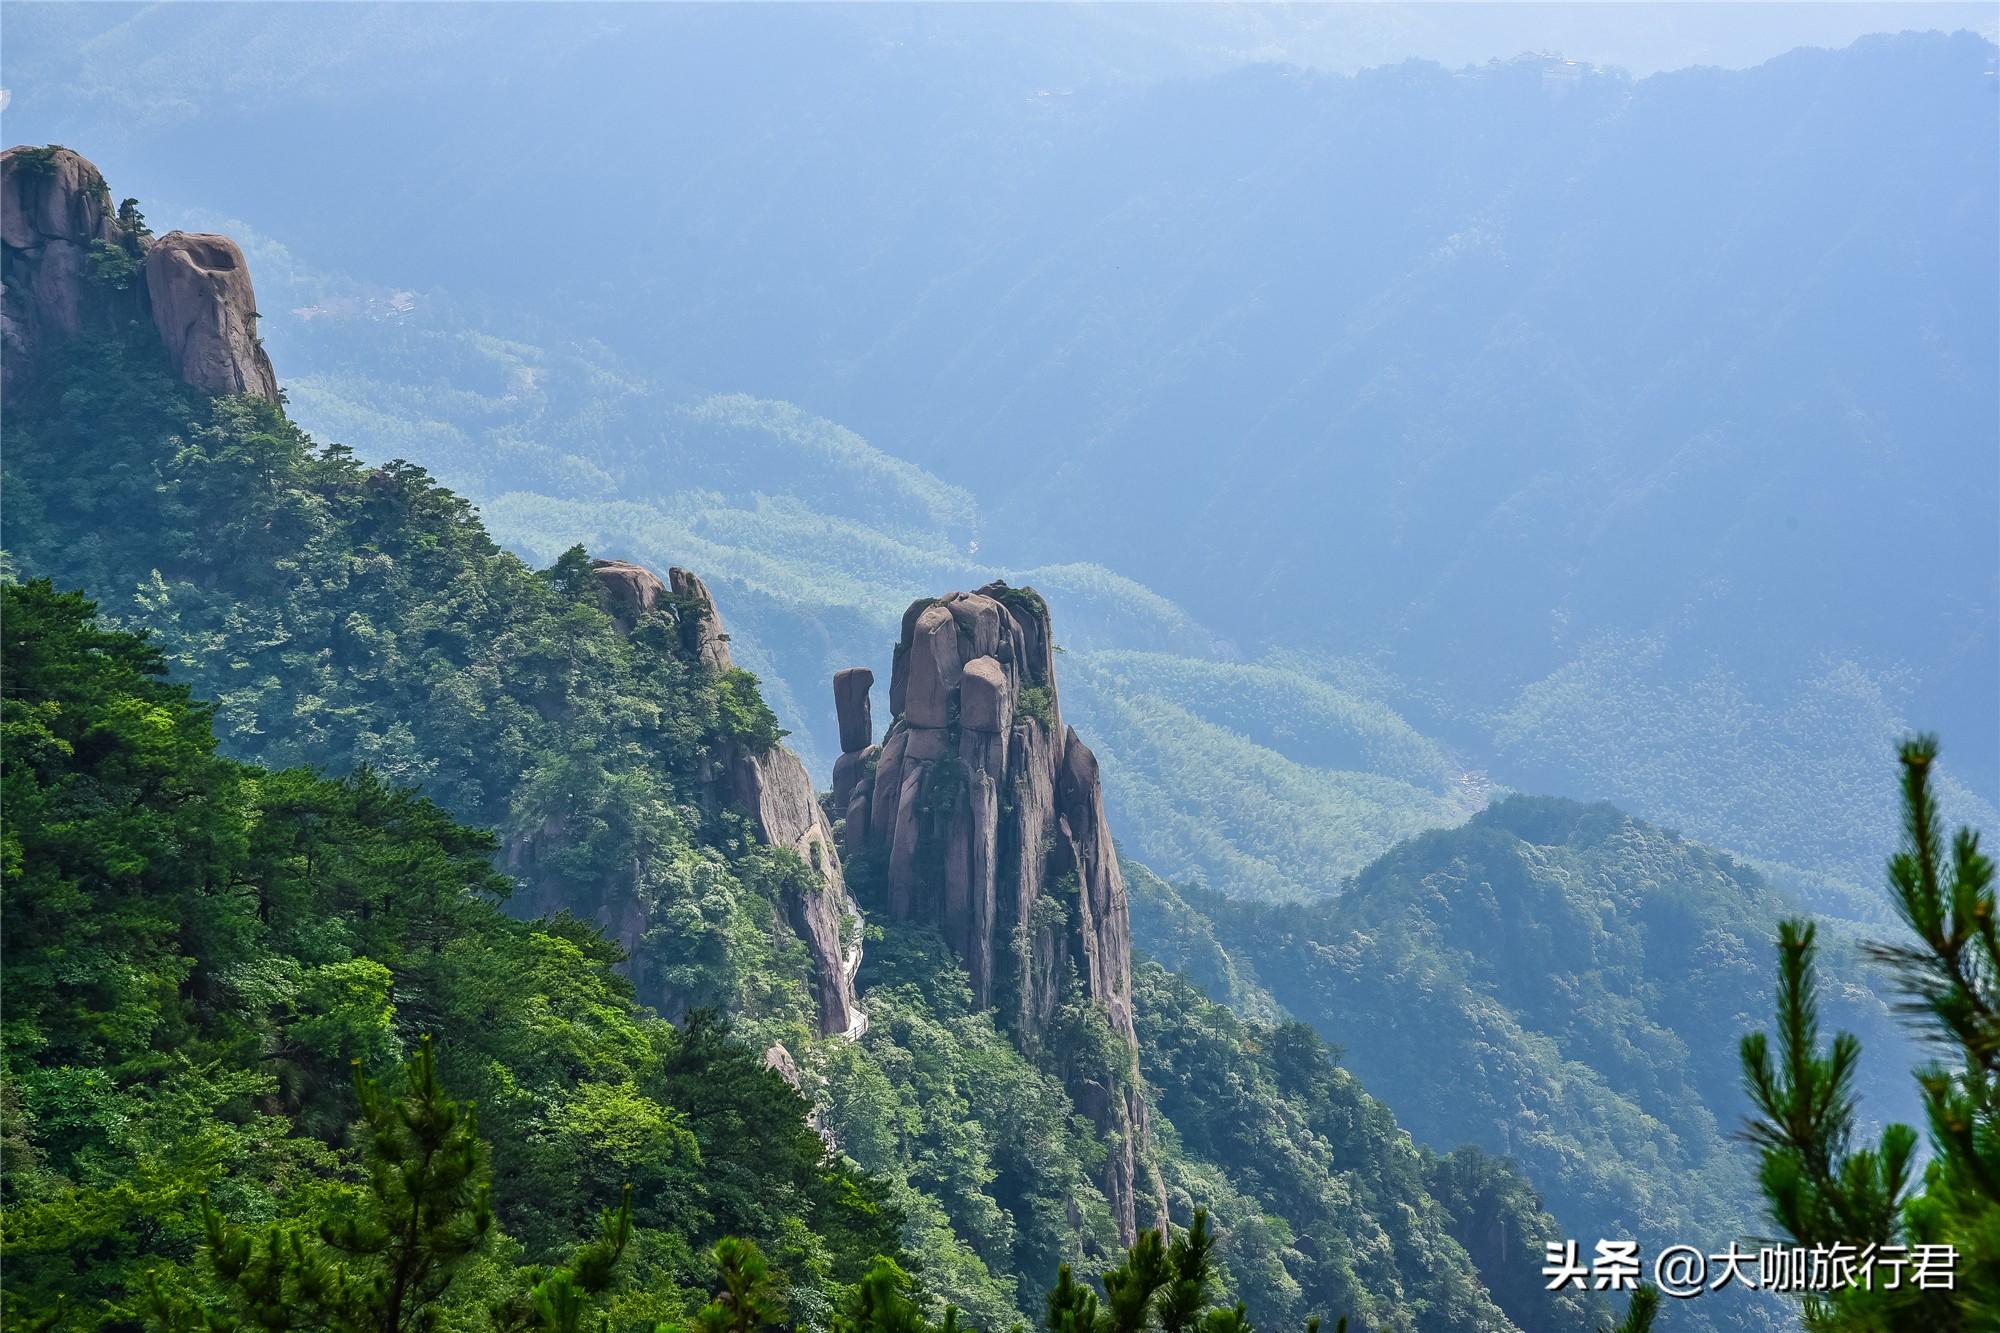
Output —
<point x="361" y="620"/>
<point x="198" y="950"/>
<point x="995" y="1167"/>
<point x="342" y="616"/>
<point x="1319" y="1202"/>
<point x="1285" y="807"/>
<point x="1826" y="1189"/>
<point x="1329" y="1204"/>
<point x="1708" y="756"/>
<point x="1174" y="928"/>
<point x="1550" y="982"/>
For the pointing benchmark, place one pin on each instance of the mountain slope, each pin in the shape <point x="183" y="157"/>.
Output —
<point x="1556" y="982"/>
<point x="360" y="618"/>
<point x="196" y="951"/>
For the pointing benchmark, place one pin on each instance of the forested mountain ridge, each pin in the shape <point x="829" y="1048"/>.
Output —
<point x="334" y="611"/>
<point x="1556" y="982"/>
<point x="359" y="619"/>
<point x="198" y="949"/>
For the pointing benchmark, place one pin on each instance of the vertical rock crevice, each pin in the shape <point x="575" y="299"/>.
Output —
<point x="982" y="814"/>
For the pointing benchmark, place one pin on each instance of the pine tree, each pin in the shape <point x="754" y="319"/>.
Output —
<point x="882" y="1303"/>
<point x="1823" y="1191"/>
<point x="1072" y="1305"/>
<point x="1129" y="1288"/>
<point x="1191" y="1257"/>
<point x="558" y="1300"/>
<point x="1640" y="1311"/>
<point x="1161" y="1284"/>
<point x="749" y="1299"/>
<point x="383" y="1266"/>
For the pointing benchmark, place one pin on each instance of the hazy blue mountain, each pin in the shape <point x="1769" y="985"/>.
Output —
<point x="1556" y="982"/>
<point x="1389" y="437"/>
<point x="1575" y="413"/>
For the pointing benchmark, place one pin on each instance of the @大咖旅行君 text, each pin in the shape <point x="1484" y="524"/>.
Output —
<point x="1686" y="1270"/>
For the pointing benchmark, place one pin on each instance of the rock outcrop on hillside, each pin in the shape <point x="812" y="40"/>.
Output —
<point x="206" y="313"/>
<point x="73" y="268"/>
<point x="982" y="815"/>
<point x="769" y="787"/>
<point x="54" y="212"/>
<point x="76" y="266"/>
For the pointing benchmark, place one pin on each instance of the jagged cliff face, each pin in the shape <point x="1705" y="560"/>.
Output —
<point x="983" y="816"/>
<point x="770" y="787"/>
<point x="71" y="268"/>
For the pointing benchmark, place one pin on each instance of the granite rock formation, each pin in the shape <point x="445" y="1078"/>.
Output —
<point x="852" y="706"/>
<point x="54" y="213"/>
<point x="983" y="816"/>
<point x="71" y="267"/>
<point x="857" y="735"/>
<point x="770" y="787"/>
<point x="206" y="313"/>
<point x="701" y="628"/>
<point x="628" y="591"/>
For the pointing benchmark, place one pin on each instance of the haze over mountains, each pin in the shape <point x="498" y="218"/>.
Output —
<point x="1387" y="436"/>
<point x="1563" y="417"/>
<point x="973" y="1108"/>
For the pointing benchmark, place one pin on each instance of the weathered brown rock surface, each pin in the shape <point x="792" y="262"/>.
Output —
<point x="54" y="208"/>
<point x="851" y="705"/>
<point x="72" y="268"/>
<point x="987" y="818"/>
<point x="53" y="194"/>
<point x="206" y="313"/>
<point x="629" y="591"/>
<point x="701" y="630"/>
<point x="775" y="789"/>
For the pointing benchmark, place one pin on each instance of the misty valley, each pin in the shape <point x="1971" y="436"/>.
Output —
<point x="912" y="669"/>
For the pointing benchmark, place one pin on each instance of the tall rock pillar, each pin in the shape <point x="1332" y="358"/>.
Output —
<point x="983" y="816"/>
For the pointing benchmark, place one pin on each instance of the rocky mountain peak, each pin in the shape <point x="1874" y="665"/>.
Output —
<point x="983" y="816"/>
<point x="54" y="195"/>
<point x="74" y="266"/>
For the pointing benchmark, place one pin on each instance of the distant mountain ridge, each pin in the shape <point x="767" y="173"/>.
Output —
<point x="1556" y="982"/>
<point x="1571" y="414"/>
